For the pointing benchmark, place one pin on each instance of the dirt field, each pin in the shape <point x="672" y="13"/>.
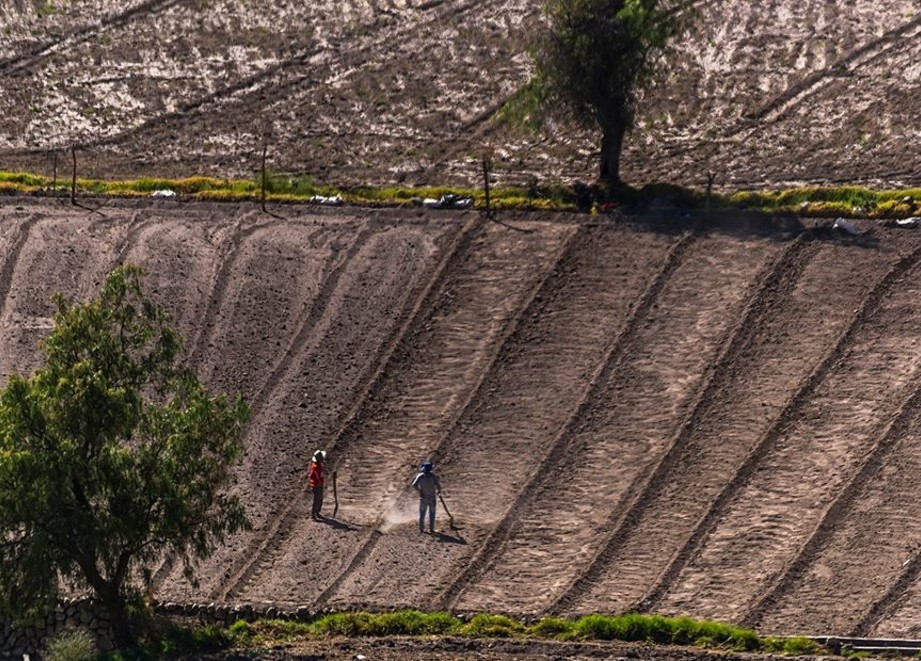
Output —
<point x="717" y="421"/>
<point x="763" y="94"/>
<point x="397" y="649"/>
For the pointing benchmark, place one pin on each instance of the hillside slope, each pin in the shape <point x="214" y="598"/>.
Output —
<point x="381" y="91"/>
<point x="654" y="415"/>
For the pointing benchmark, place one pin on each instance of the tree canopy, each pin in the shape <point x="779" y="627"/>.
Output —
<point x="594" y="58"/>
<point x="111" y="455"/>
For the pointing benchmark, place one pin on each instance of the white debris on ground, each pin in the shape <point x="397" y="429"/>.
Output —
<point x="163" y="192"/>
<point x="447" y="201"/>
<point x="334" y="200"/>
<point x="846" y="226"/>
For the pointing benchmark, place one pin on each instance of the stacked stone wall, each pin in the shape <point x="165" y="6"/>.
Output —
<point x="19" y="640"/>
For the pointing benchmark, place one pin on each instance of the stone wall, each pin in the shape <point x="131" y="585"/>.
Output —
<point x="20" y="640"/>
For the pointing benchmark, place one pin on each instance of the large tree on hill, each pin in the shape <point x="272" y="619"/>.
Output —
<point x="111" y="454"/>
<point x="596" y="56"/>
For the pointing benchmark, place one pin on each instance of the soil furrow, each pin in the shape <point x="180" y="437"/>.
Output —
<point x="895" y="613"/>
<point x="218" y="289"/>
<point x="624" y="425"/>
<point x="870" y="520"/>
<point x="311" y="268"/>
<point x="67" y="254"/>
<point x="34" y="54"/>
<point x="12" y="251"/>
<point x="869" y="524"/>
<point x="786" y="507"/>
<point x="489" y="282"/>
<point x="243" y="301"/>
<point x="266" y="546"/>
<point x="258" y="89"/>
<point x="538" y="380"/>
<point x="548" y="470"/>
<point x="381" y="283"/>
<point x="645" y="486"/>
<point x="796" y="93"/>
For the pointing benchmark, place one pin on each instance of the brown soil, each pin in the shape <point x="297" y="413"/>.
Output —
<point x="717" y="420"/>
<point x="762" y="94"/>
<point x="398" y="649"/>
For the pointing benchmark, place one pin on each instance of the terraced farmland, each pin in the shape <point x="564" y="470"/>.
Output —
<point x="655" y="414"/>
<point x="718" y="419"/>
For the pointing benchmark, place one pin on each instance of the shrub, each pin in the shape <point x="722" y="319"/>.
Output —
<point x="600" y="627"/>
<point x="413" y="623"/>
<point x="240" y="631"/>
<point x="492" y="626"/>
<point x="70" y="645"/>
<point x="343" y="624"/>
<point x="552" y="627"/>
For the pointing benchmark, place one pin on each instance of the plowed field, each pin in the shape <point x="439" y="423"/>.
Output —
<point x="761" y="94"/>
<point x="716" y="420"/>
<point x="655" y="415"/>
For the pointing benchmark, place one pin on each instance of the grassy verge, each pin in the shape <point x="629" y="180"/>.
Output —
<point x="816" y="202"/>
<point x="631" y="627"/>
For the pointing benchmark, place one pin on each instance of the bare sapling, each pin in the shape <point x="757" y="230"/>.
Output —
<point x="73" y="178"/>
<point x="265" y="147"/>
<point x="487" y="169"/>
<point x="711" y="177"/>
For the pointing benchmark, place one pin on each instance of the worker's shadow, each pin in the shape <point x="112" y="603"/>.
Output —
<point x="335" y="523"/>
<point x="456" y="538"/>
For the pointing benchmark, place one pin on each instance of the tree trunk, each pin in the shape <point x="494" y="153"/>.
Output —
<point x="114" y="603"/>
<point x="612" y="142"/>
<point x="121" y="627"/>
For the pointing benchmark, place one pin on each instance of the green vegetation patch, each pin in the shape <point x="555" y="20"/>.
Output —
<point x="176" y="640"/>
<point x="809" y="202"/>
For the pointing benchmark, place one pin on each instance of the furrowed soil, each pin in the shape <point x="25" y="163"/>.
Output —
<point x="716" y="419"/>
<point x="355" y="92"/>
<point x="668" y="415"/>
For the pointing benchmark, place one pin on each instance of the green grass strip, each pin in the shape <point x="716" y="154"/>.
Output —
<point x="630" y="627"/>
<point x="633" y="627"/>
<point x="815" y="202"/>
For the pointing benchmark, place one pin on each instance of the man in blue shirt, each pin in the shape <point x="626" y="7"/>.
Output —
<point x="429" y="487"/>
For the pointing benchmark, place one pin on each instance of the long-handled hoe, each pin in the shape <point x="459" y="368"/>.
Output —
<point x="448" y="512"/>
<point x="335" y="496"/>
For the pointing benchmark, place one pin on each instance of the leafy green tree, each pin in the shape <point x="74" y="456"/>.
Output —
<point x="594" y="59"/>
<point x="111" y="455"/>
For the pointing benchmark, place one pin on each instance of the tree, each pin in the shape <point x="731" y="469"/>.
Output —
<point x="111" y="454"/>
<point x="594" y="59"/>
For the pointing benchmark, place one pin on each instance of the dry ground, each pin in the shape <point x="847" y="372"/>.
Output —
<point x="764" y="94"/>
<point x="716" y="420"/>
<point x="721" y="421"/>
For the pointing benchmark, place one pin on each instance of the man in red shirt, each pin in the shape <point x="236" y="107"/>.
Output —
<point x="316" y="478"/>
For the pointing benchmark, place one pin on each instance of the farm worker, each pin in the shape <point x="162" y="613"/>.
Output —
<point x="429" y="486"/>
<point x="316" y="477"/>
